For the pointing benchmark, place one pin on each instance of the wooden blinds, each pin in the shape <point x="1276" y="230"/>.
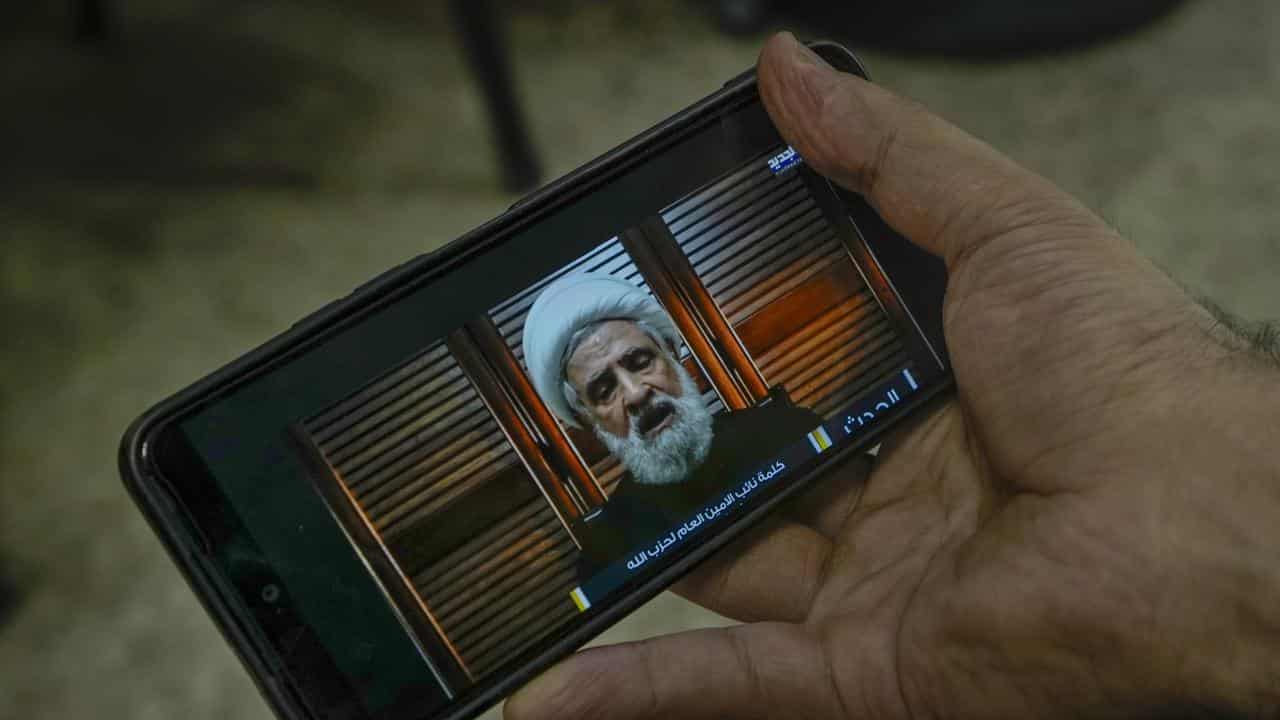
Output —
<point x="412" y="442"/>
<point x="438" y="483"/>
<point x="787" y="285"/>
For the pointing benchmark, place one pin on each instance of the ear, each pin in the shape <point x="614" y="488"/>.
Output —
<point x="673" y="346"/>
<point x="579" y="420"/>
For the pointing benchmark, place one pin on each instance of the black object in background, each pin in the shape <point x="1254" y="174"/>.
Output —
<point x="977" y="29"/>
<point x="8" y="597"/>
<point x="484" y="44"/>
<point x="92" y="21"/>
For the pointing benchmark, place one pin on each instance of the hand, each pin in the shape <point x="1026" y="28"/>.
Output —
<point x="1089" y="528"/>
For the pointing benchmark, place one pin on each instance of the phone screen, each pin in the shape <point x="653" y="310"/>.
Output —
<point x="436" y="489"/>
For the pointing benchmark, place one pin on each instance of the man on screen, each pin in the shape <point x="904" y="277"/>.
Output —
<point x="603" y="355"/>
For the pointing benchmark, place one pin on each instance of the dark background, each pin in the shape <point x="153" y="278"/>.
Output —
<point x="220" y="169"/>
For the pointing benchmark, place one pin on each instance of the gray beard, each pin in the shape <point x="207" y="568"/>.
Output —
<point x="676" y="452"/>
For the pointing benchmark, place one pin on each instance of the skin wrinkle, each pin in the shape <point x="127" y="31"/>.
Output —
<point x="747" y="660"/>
<point x="1113" y="597"/>
<point x="818" y="557"/>
<point x="1032" y="256"/>
<point x="808" y="577"/>
<point x="1138" y="376"/>
<point x="958" y="559"/>
<point x="873" y="574"/>
<point x="600" y="351"/>
<point x="995" y="660"/>
<point x="720" y="592"/>
<point x="1139" y="367"/>
<point x="968" y="302"/>
<point x="851" y="501"/>
<point x="1108" y="392"/>
<point x="951" y="541"/>
<point x="647" y="660"/>
<point x="994" y="488"/>
<point x="1067" y="642"/>
<point x="570" y="392"/>
<point x="869" y="178"/>
<point x="824" y="574"/>
<point x="807" y="85"/>
<point x="829" y="672"/>
<point x="1005" y="245"/>
<point x="899" y="629"/>
<point x="1030" y="262"/>
<point x="956" y="510"/>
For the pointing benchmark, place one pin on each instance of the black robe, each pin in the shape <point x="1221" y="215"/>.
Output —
<point x="637" y="514"/>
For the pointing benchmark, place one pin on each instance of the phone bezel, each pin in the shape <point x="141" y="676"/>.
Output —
<point x="164" y="511"/>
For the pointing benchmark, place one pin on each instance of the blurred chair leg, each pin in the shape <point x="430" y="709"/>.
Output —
<point x="486" y="54"/>
<point x="92" y="21"/>
<point x="8" y="597"/>
<point x="742" y="17"/>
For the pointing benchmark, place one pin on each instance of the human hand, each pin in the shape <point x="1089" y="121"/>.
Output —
<point x="1088" y="528"/>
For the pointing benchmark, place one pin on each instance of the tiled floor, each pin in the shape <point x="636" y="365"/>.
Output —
<point x="227" y="167"/>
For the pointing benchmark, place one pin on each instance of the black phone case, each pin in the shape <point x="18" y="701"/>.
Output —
<point x="170" y="523"/>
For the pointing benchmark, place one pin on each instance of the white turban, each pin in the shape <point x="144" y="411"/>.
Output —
<point x="570" y="304"/>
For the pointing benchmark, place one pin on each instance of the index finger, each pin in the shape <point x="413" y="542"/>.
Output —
<point x="764" y="670"/>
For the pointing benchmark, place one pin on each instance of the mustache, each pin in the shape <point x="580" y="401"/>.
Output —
<point x="670" y="456"/>
<point x="648" y="416"/>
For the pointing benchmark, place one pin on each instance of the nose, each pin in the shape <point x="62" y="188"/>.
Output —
<point x="635" y="394"/>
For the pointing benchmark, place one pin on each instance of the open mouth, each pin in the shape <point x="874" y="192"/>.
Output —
<point x="655" y="418"/>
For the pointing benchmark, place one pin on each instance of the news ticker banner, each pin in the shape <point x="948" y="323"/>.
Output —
<point x="842" y="428"/>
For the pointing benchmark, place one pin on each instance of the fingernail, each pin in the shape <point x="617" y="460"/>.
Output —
<point x="804" y="53"/>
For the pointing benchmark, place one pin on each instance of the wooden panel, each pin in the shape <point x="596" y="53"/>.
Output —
<point x="689" y="288"/>
<point x="511" y="420"/>
<point x="566" y="459"/>
<point x="696" y="335"/>
<point x="773" y="264"/>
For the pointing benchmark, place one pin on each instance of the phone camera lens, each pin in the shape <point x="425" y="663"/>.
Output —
<point x="271" y="593"/>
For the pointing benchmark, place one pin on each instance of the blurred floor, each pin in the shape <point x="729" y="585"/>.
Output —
<point x="227" y="167"/>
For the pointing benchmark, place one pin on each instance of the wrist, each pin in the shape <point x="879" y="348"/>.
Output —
<point x="1225" y="547"/>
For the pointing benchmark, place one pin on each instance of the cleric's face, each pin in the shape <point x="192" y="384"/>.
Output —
<point x="622" y="377"/>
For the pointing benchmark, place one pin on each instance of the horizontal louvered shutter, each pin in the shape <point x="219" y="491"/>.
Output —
<point x="414" y="449"/>
<point x="505" y="589"/>
<point x="773" y="264"/>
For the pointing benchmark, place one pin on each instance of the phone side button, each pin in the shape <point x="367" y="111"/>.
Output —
<point x="521" y="201"/>
<point x="739" y="77"/>
<point x="375" y="279"/>
<point x="311" y="318"/>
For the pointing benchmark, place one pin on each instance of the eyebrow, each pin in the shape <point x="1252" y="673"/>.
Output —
<point x="628" y="353"/>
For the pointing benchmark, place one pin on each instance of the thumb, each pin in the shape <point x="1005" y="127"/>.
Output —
<point x="763" y="670"/>
<point x="938" y="186"/>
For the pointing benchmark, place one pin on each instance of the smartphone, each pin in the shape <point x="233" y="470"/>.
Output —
<point x="428" y="491"/>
